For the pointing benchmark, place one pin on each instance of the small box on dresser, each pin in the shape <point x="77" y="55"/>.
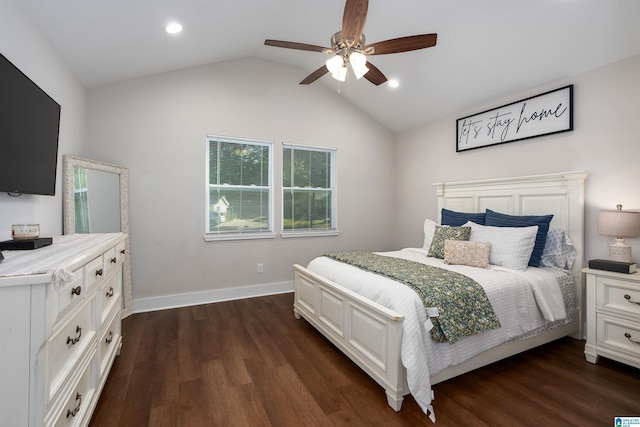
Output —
<point x="59" y="342"/>
<point x="613" y="316"/>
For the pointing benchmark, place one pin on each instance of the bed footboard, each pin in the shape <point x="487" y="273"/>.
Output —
<point x="370" y="334"/>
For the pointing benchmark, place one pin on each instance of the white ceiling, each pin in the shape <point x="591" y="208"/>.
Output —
<point x="486" y="49"/>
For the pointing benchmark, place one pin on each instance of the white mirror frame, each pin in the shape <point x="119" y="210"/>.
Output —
<point x="68" y="200"/>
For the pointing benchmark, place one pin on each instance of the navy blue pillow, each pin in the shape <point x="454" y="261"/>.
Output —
<point x="456" y="219"/>
<point x="497" y="219"/>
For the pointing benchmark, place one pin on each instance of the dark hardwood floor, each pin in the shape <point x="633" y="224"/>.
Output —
<point x="251" y="363"/>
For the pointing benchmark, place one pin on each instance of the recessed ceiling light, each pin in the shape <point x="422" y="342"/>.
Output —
<point x="393" y="83"/>
<point x="173" y="28"/>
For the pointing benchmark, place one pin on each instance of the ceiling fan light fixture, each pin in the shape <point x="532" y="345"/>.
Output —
<point x="358" y="64"/>
<point x="349" y="46"/>
<point x="341" y="74"/>
<point x="334" y="64"/>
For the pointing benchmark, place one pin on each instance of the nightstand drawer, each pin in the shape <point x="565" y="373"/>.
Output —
<point x="618" y="334"/>
<point x="618" y="296"/>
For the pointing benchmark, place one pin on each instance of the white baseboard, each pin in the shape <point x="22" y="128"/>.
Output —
<point x="141" y="305"/>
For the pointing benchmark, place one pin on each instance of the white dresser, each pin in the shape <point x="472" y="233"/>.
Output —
<point x="613" y="316"/>
<point x="60" y="310"/>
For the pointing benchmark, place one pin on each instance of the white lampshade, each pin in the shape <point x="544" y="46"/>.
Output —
<point x="358" y="64"/>
<point x="341" y="74"/>
<point x="334" y="63"/>
<point x="620" y="224"/>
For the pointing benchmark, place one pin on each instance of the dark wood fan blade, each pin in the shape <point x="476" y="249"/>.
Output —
<point x="295" y="45"/>
<point x="374" y="75"/>
<point x="353" y="20"/>
<point x="315" y="75"/>
<point x="402" y="44"/>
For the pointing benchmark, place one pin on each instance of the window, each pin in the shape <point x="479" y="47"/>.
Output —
<point x="239" y="196"/>
<point x="308" y="186"/>
<point x="80" y="200"/>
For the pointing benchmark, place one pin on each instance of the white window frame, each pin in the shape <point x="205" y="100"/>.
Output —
<point x="211" y="236"/>
<point x="308" y="232"/>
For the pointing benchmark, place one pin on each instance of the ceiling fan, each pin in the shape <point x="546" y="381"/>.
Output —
<point x="348" y="47"/>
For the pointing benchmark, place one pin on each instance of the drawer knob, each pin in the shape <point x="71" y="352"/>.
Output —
<point x="628" y="336"/>
<point x="73" y="413"/>
<point x="99" y="272"/>
<point x="113" y="260"/>
<point x="110" y="292"/>
<point x="123" y="251"/>
<point x="75" y="340"/>
<point x="109" y="338"/>
<point x="76" y="291"/>
<point x="628" y="298"/>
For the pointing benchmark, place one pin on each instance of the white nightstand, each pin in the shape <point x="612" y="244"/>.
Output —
<point x="613" y="316"/>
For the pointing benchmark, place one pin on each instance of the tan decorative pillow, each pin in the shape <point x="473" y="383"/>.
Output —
<point x="474" y="254"/>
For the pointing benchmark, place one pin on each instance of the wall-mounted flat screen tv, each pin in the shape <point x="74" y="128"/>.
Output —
<point x="29" y="127"/>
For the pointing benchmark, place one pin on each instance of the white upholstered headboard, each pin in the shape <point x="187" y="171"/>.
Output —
<point x="560" y="194"/>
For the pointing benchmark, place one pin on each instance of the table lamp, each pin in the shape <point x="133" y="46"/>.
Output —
<point x="620" y="224"/>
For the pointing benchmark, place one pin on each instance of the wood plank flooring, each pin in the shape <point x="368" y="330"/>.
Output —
<point x="251" y="363"/>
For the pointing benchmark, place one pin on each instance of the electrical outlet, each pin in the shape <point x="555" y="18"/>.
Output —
<point x="260" y="268"/>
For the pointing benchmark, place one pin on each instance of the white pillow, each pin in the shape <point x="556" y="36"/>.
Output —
<point x="511" y="247"/>
<point x="429" y="231"/>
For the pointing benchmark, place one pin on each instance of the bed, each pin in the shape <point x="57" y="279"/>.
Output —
<point x="371" y="333"/>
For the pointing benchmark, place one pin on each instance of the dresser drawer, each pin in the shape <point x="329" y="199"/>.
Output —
<point x="75" y="408"/>
<point x="110" y="260"/>
<point x="68" y="343"/>
<point x="618" y="335"/>
<point x="121" y="252"/>
<point x="618" y="296"/>
<point x="94" y="272"/>
<point x="67" y="297"/>
<point x="109" y="295"/>
<point x="108" y="342"/>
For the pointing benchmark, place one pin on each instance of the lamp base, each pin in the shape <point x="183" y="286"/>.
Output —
<point x="619" y="251"/>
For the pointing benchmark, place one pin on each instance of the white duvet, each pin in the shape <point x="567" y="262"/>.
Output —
<point x="522" y="300"/>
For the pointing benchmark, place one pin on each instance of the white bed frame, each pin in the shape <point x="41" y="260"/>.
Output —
<point x="371" y="334"/>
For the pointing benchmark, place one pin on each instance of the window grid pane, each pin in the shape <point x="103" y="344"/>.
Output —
<point x="307" y="189"/>
<point x="239" y="186"/>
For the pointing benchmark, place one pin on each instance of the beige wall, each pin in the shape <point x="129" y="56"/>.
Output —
<point x="604" y="141"/>
<point x="156" y="126"/>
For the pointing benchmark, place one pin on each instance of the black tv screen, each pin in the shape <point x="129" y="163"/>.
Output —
<point x="29" y="127"/>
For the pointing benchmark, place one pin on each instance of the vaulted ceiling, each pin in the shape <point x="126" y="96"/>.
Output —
<point x="486" y="50"/>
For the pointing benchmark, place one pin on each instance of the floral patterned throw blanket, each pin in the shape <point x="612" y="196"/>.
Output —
<point x="456" y="304"/>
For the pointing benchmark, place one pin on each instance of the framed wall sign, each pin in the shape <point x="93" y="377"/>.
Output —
<point x="544" y="114"/>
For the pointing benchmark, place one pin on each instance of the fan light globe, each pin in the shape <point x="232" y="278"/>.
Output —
<point x="341" y="74"/>
<point x="358" y="64"/>
<point x="358" y="59"/>
<point x="334" y="64"/>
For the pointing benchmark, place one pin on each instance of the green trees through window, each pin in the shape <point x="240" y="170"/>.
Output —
<point x="308" y="188"/>
<point x="240" y="189"/>
<point x="239" y="185"/>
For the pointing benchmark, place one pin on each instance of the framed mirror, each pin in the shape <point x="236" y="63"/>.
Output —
<point x="96" y="200"/>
